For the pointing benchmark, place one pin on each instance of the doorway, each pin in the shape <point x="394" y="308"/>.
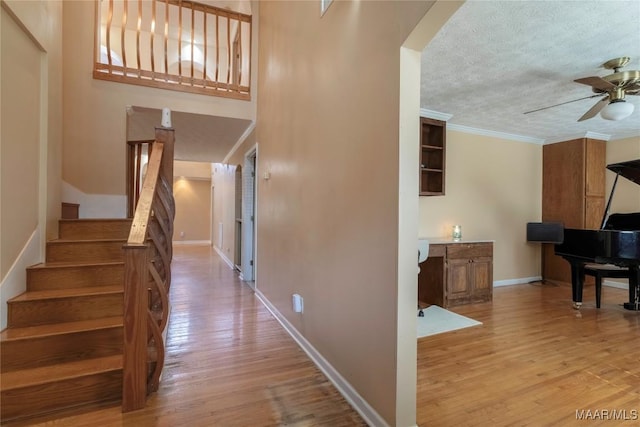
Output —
<point x="237" y="255"/>
<point x="248" y="232"/>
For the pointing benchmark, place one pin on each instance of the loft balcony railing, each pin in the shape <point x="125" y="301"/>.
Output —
<point x="174" y="44"/>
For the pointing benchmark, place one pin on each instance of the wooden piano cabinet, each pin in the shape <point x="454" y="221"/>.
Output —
<point x="456" y="273"/>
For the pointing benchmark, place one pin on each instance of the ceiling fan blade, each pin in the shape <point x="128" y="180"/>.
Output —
<point x="596" y="82"/>
<point x="595" y="109"/>
<point x="562" y="103"/>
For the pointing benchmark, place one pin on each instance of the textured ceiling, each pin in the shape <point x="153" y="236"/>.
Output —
<point x="199" y="137"/>
<point x="494" y="60"/>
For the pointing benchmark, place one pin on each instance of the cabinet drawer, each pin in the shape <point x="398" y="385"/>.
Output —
<point x="469" y="250"/>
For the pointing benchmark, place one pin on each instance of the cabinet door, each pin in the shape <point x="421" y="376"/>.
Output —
<point x="482" y="278"/>
<point x="458" y="280"/>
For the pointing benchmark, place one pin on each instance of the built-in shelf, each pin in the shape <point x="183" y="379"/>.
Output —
<point x="432" y="156"/>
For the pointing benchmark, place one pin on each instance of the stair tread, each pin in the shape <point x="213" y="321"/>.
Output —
<point x="65" y="293"/>
<point x="95" y="219"/>
<point x="63" y="241"/>
<point x="14" y="334"/>
<point x="68" y="264"/>
<point x="47" y="374"/>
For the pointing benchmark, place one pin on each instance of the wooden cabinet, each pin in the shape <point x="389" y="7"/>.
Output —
<point x="432" y="156"/>
<point x="573" y="192"/>
<point x="456" y="274"/>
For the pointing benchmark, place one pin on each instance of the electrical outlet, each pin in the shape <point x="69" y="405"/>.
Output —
<point x="298" y="303"/>
<point x="182" y="234"/>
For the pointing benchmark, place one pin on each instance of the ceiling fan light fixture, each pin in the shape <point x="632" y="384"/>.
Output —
<point x="617" y="110"/>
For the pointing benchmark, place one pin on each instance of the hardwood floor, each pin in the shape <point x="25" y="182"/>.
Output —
<point x="229" y="362"/>
<point x="534" y="362"/>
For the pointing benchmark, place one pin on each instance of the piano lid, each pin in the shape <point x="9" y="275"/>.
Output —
<point x="630" y="170"/>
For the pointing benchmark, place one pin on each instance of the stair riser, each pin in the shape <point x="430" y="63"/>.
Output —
<point x="45" y="351"/>
<point x="41" y="312"/>
<point x="85" y="251"/>
<point x="94" y="229"/>
<point x="50" y="278"/>
<point x="40" y="399"/>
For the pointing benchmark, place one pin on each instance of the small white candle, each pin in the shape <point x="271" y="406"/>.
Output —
<point x="166" y="118"/>
<point x="457" y="232"/>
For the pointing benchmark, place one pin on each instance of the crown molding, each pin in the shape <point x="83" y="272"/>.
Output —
<point x="632" y="134"/>
<point x="240" y="141"/>
<point x="435" y="114"/>
<point x="432" y="114"/>
<point x="501" y="135"/>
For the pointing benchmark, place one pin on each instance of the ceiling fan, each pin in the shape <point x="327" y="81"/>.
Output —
<point x="614" y="86"/>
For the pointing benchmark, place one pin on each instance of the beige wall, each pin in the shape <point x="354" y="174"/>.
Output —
<point x="193" y="209"/>
<point x="627" y="195"/>
<point x="224" y="209"/>
<point x="95" y="111"/>
<point x="31" y="143"/>
<point x="328" y="116"/>
<point x="199" y="170"/>
<point x="493" y="188"/>
<point x="20" y="149"/>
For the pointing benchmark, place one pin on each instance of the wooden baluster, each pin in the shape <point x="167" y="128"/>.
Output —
<point x="217" y="47"/>
<point x="238" y="53"/>
<point x="138" y="36"/>
<point x="228" y="51"/>
<point x="152" y="36"/>
<point x="193" y="23"/>
<point x="123" y="36"/>
<point x="204" y="44"/>
<point x="138" y="169"/>
<point x="166" y="40"/>
<point x="249" y="58"/>
<point x="180" y="41"/>
<point x="109" y="19"/>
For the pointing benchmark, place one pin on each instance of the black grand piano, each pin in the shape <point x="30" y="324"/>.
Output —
<point x="616" y="242"/>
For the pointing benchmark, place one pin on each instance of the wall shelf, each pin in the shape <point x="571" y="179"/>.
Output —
<point x="432" y="156"/>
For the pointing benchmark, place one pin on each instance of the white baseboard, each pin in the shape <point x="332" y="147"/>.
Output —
<point x="192" y="242"/>
<point x="15" y="281"/>
<point x="224" y="258"/>
<point x="520" y="281"/>
<point x="368" y="414"/>
<point x="525" y="280"/>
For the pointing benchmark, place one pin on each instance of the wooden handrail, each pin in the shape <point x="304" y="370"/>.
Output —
<point x="148" y="254"/>
<point x="174" y="26"/>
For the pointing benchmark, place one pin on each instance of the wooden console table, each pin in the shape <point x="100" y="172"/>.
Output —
<point x="456" y="273"/>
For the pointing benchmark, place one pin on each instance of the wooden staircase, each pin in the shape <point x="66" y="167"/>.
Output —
<point x="64" y="342"/>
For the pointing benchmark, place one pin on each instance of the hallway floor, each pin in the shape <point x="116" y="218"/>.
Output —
<point x="229" y="362"/>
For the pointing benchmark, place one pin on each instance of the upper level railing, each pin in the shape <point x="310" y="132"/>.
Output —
<point x="148" y="253"/>
<point x="174" y="44"/>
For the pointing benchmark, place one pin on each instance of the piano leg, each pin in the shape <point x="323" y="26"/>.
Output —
<point x="577" y="282"/>
<point x="634" y="289"/>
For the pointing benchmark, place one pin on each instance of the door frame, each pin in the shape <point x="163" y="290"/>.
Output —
<point x="248" y="271"/>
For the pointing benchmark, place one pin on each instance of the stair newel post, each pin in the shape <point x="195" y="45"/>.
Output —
<point x="139" y="327"/>
<point x="134" y="381"/>
<point x="167" y="137"/>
